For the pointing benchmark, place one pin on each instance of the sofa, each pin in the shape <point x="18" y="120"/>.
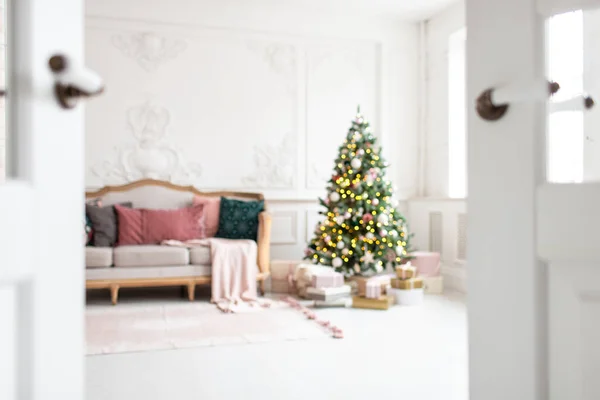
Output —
<point x="118" y="267"/>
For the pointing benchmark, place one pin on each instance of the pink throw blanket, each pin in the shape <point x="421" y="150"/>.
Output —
<point x="234" y="271"/>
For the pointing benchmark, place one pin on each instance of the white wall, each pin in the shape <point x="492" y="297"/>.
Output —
<point x="438" y="222"/>
<point x="220" y="94"/>
<point x="439" y="29"/>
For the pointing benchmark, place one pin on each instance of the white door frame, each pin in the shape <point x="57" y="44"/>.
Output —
<point x="507" y="298"/>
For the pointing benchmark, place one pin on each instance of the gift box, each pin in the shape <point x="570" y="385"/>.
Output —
<point x="407" y="284"/>
<point x="427" y="263"/>
<point x="328" y="294"/>
<point x="303" y="276"/>
<point x="405" y="297"/>
<point x="361" y="283"/>
<point x="374" y="289"/>
<point x="406" y="271"/>
<point x="382" y="303"/>
<point x="327" y="279"/>
<point x="433" y="284"/>
<point x="282" y="276"/>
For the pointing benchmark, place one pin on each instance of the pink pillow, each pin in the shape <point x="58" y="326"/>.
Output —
<point x="144" y="226"/>
<point x="212" y="207"/>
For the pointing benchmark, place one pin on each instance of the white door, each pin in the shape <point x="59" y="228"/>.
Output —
<point x="534" y="246"/>
<point x="41" y="207"/>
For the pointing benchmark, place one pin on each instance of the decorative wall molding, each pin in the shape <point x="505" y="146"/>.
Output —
<point x="148" y="49"/>
<point x="312" y="219"/>
<point x="317" y="176"/>
<point x="436" y="231"/>
<point x="151" y="156"/>
<point x="281" y="59"/>
<point x="274" y="165"/>
<point x="285" y="227"/>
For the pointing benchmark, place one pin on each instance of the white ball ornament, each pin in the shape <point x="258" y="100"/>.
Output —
<point x="365" y="195"/>
<point x="370" y="235"/>
<point x="336" y="262"/>
<point x="347" y="215"/>
<point x="345" y="251"/>
<point x="334" y="196"/>
<point x="399" y="250"/>
<point x="355" y="163"/>
<point x="340" y="245"/>
<point x="375" y="202"/>
<point x="383" y="233"/>
<point x="383" y="219"/>
<point x="339" y="219"/>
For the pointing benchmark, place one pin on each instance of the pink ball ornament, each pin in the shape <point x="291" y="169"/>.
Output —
<point x="327" y="239"/>
<point x="383" y="233"/>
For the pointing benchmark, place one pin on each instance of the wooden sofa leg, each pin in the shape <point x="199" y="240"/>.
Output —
<point x="261" y="287"/>
<point x="114" y="294"/>
<point x="191" y="289"/>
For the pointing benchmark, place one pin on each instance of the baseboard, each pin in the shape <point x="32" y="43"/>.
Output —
<point x="455" y="277"/>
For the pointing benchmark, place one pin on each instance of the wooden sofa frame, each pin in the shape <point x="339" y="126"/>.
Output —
<point x="263" y="242"/>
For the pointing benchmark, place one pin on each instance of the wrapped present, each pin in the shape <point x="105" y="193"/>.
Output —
<point x="282" y="276"/>
<point x="328" y="294"/>
<point x="327" y="279"/>
<point x="303" y="276"/>
<point x="382" y="303"/>
<point x="433" y="284"/>
<point x="427" y="263"/>
<point x="407" y="284"/>
<point x="405" y="297"/>
<point x="406" y="271"/>
<point x="375" y="289"/>
<point x="361" y="282"/>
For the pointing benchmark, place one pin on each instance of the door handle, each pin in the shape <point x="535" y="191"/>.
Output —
<point x="493" y="103"/>
<point x="73" y="83"/>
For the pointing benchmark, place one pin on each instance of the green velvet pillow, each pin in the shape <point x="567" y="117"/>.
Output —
<point x="238" y="219"/>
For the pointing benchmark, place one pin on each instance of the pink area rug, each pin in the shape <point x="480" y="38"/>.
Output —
<point x="160" y="326"/>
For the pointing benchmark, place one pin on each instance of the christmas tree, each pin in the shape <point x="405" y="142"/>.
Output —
<point x="362" y="231"/>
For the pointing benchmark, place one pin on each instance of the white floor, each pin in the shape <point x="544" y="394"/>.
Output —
<point x="413" y="353"/>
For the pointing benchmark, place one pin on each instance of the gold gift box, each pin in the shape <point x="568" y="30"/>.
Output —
<point x="406" y="272"/>
<point x="407" y="284"/>
<point x="382" y="303"/>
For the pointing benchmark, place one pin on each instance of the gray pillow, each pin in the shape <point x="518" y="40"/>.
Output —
<point x="104" y="224"/>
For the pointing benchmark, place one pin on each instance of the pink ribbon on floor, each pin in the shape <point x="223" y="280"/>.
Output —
<point x="335" y="331"/>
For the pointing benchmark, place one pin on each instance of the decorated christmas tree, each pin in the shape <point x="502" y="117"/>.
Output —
<point x="362" y="231"/>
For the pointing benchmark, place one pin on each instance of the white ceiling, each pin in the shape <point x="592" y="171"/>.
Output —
<point x="412" y="10"/>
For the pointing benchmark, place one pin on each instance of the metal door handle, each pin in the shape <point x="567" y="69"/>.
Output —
<point x="493" y="103"/>
<point x="73" y="83"/>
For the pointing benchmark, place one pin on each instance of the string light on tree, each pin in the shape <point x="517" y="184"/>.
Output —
<point x="362" y="231"/>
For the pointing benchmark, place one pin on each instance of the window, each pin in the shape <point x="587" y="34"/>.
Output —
<point x="565" y="129"/>
<point x="457" y="112"/>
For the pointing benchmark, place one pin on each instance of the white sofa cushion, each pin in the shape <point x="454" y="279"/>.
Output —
<point x="147" y="272"/>
<point x="98" y="257"/>
<point x="150" y="255"/>
<point x="200" y="256"/>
